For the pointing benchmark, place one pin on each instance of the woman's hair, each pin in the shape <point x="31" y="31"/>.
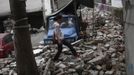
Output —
<point x="58" y="17"/>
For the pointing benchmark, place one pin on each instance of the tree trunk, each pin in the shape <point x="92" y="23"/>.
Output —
<point x="25" y="60"/>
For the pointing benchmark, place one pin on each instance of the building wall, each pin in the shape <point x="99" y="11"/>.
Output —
<point x="35" y="19"/>
<point x="129" y="37"/>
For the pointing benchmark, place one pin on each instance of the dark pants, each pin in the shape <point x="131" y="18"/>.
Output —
<point x="60" y="49"/>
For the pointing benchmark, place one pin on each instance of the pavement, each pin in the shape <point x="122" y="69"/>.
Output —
<point x="36" y="38"/>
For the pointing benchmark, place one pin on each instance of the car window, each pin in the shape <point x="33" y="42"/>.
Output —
<point x="51" y="24"/>
<point x="67" y="22"/>
<point x="8" y="38"/>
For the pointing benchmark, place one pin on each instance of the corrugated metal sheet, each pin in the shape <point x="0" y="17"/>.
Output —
<point x="62" y="3"/>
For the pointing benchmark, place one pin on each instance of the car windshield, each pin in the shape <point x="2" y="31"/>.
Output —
<point x="66" y="23"/>
<point x="8" y="38"/>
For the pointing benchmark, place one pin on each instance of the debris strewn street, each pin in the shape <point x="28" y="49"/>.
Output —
<point x="103" y="54"/>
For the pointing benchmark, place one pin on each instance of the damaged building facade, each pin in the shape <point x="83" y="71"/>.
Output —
<point x="34" y="13"/>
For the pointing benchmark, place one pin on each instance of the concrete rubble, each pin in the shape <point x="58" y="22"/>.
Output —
<point x="102" y="55"/>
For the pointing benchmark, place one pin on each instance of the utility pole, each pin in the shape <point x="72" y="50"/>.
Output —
<point x="25" y="60"/>
<point x="44" y="12"/>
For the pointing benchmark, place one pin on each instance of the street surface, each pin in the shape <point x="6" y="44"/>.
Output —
<point x="37" y="37"/>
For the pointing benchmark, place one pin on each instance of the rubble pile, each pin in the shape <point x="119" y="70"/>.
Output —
<point x="102" y="55"/>
<point x="7" y="66"/>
